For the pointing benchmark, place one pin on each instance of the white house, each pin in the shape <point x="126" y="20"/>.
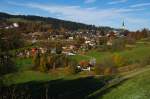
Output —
<point x="15" y="25"/>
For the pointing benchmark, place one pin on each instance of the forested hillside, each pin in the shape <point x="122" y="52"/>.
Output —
<point x="47" y="23"/>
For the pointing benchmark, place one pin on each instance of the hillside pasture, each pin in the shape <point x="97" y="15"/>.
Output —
<point x="135" y="88"/>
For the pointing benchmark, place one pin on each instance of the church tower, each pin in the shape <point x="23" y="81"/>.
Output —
<point x="123" y="25"/>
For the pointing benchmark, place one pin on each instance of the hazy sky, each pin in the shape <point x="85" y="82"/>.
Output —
<point x="135" y="13"/>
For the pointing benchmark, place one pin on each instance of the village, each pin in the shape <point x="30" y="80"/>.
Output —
<point x="69" y="43"/>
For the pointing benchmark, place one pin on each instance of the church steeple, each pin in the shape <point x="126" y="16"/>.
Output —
<point x="123" y="25"/>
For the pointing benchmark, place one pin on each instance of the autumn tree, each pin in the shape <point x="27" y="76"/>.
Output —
<point x="79" y="41"/>
<point x="7" y="64"/>
<point x="118" y="44"/>
<point x="36" y="60"/>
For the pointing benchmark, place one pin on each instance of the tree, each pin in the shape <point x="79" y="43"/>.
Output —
<point x="79" y="41"/>
<point x="119" y="60"/>
<point x="71" y="67"/>
<point x="99" y="69"/>
<point x="6" y="62"/>
<point x="36" y="60"/>
<point x="102" y="41"/>
<point x="43" y="63"/>
<point x="11" y="39"/>
<point x="58" y="48"/>
<point x="118" y="44"/>
<point x="145" y="33"/>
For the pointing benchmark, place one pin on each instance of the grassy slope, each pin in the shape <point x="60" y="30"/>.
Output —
<point x="66" y="88"/>
<point x="26" y="76"/>
<point x="135" y="88"/>
<point x="24" y="64"/>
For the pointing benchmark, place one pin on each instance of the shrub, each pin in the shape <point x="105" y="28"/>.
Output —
<point x="118" y="44"/>
<point x="119" y="60"/>
<point x="36" y="61"/>
<point x="145" y="61"/>
<point x="69" y="70"/>
<point x="130" y="40"/>
<point x="110" y="71"/>
<point x="107" y="67"/>
<point x="105" y="70"/>
<point x="108" y="62"/>
<point x="102" y="48"/>
<point x="99" y="70"/>
<point x="71" y="67"/>
<point x="43" y="63"/>
<point x="6" y="64"/>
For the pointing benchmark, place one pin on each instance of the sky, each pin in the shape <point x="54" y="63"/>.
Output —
<point x="135" y="13"/>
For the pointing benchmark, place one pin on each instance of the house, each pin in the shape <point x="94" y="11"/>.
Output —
<point x="36" y="34"/>
<point x="15" y="25"/>
<point x="68" y="53"/>
<point x="84" y="66"/>
<point x="43" y="50"/>
<point x="34" y="41"/>
<point x="83" y="69"/>
<point x="69" y="50"/>
<point x="70" y="38"/>
<point x="92" y="62"/>
<point x="109" y="43"/>
<point x="53" y="51"/>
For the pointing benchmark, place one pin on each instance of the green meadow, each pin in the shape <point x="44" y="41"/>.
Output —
<point x="139" y="51"/>
<point x="134" y="88"/>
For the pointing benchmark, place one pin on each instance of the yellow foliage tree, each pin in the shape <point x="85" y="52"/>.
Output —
<point x="118" y="60"/>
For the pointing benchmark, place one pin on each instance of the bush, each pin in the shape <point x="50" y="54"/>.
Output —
<point x="130" y="40"/>
<point x="145" y="61"/>
<point x="36" y="61"/>
<point x="119" y="60"/>
<point x="110" y="71"/>
<point x="105" y="70"/>
<point x="107" y="67"/>
<point x="115" y="60"/>
<point x="43" y="63"/>
<point x="108" y="62"/>
<point x="103" y="48"/>
<point x="71" y="67"/>
<point x="99" y="70"/>
<point x="6" y="64"/>
<point x="118" y="44"/>
<point x="70" y="70"/>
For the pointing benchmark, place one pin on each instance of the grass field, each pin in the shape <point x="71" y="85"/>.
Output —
<point x="23" y="63"/>
<point x="140" y="51"/>
<point x="26" y="76"/>
<point x="63" y="88"/>
<point x="135" y="88"/>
